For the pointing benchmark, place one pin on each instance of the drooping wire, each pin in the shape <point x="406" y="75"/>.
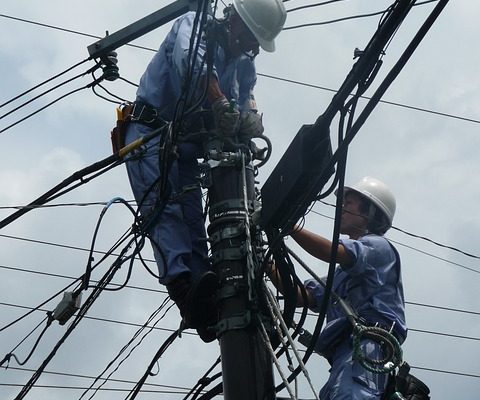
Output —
<point x="136" y="389"/>
<point x="88" y="272"/>
<point x="126" y="346"/>
<point x="203" y="382"/>
<point x="11" y="353"/>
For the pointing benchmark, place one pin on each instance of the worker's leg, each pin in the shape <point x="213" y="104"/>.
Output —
<point x="168" y="233"/>
<point x="349" y="380"/>
<point x="192" y="206"/>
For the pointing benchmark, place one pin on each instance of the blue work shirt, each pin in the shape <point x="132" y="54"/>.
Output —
<point x="162" y="82"/>
<point x="372" y="285"/>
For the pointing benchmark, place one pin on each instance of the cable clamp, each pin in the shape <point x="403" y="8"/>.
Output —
<point x="239" y="321"/>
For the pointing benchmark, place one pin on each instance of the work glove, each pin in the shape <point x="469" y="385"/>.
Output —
<point x="250" y="125"/>
<point x="226" y="117"/>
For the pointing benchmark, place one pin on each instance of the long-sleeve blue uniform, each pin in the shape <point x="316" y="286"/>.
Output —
<point x="178" y="235"/>
<point x="372" y="285"/>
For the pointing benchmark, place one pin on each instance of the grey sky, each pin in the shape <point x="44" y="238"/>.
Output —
<point x="429" y="161"/>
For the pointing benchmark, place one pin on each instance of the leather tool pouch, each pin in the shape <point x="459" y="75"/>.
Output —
<point x="117" y="134"/>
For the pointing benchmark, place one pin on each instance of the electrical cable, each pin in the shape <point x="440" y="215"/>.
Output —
<point x="44" y="107"/>
<point x="96" y="168"/>
<point x="105" y="255"/>
<point x="11" y="353"/>
<point x="313" y="86"/>
<point x="125" y="347"/>
<point x="118" y="100"/>
<point x="168" y="392"/>
<point x="323" y="3"/>
<point x="203" y="381"/>
<point x="107" y="277"/>
<point x="296" y="82"/>
<point x="30" y="271"/>
<point x="46" y="91"/>
<point x="86" y="276"/>
<point x="112" y="321"/>
<point x="93" y="296"/>
<point x="70" y="375"/>
<point x="281" y="326"/>
<point x="436" y="243"/>
<point x="373" y="14"/>
<point x="134" y="392"/>
<point x="418" y="250"/>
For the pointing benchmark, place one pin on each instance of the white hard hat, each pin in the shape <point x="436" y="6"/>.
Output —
<point x="378" y="193"/>
<point x="264" y="18"/>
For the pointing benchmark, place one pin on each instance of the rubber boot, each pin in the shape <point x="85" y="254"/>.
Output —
<point x="178" y="291"/>
<point x="201" y="309"/>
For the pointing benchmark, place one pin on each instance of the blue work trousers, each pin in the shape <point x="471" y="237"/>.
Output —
<point x="177" y="234"/>
<point x="349" y="380"/>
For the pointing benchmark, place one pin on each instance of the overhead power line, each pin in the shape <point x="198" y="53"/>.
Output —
<point x="176" y="392"/>
<point x="323" y="3"/>
<point x="30" y="271"/>
<point x="425" y="110"/>
<point x="446" y="372"/>
<point x="286" y="80"/>
<point x="313" y="211"/>
<point x="70" y="375"/>
<point x="113" y="321"/>
<point x="333" y="21"/>
<point x="434" y="242"/>
<point x="63" y="246"/>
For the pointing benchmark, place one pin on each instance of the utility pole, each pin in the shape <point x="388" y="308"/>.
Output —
<point x="246" y="363"/>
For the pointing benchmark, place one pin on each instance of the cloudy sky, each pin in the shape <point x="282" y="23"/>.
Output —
<point x="424" y="146"/>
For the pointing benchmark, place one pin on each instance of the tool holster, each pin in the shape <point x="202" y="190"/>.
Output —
<point x="117" y="135"/>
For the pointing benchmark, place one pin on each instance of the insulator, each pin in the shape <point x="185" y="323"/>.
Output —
<point x="109" y="66"/>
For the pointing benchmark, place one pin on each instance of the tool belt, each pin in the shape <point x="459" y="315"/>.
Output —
<point x="145" y="114"/>
<point x="137" y="112"/>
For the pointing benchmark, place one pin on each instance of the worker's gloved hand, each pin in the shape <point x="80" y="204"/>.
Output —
<point x="226" y="117"/>
<point x="250" y="125"/>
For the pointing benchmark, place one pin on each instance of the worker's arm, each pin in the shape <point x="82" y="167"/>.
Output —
<point x="274" y="276"/>
<point x="320" y="247"/>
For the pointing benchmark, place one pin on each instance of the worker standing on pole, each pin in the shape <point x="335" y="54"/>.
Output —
<point x="368" y="278"/>
<point x="176" y="229"/>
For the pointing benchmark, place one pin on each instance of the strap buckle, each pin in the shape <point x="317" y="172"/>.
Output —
<point x="145" y="114"/>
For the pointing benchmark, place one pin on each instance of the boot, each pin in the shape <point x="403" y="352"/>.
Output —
<point x="197" y="303"/>
<point x="200" y="303"/>
<point x="178" y="290"/>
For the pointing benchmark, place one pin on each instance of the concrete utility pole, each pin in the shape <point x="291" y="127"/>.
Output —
<point x="246" y="363"/>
